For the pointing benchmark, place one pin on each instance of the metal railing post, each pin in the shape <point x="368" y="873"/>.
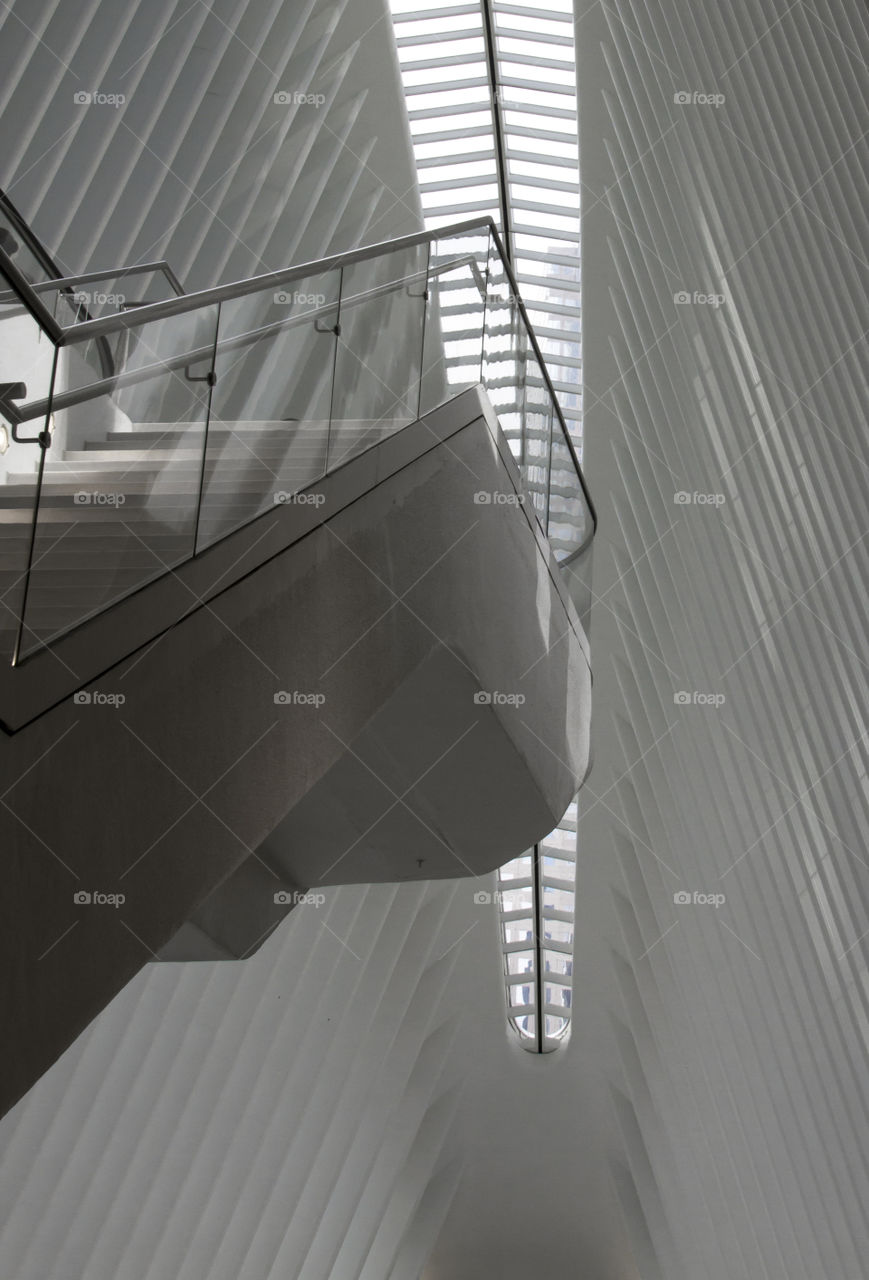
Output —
<point x="44" y="441"/>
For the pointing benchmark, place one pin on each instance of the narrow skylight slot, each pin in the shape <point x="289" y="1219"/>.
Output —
<point x="492" y="84"/>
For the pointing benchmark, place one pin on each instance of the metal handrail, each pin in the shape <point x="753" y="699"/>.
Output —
<point x="103" y="326"/>
<point x="27" y="234"/>
<point x="106" y="273"/>
<point x="78" y="395"/>
<point x="539" y="354"/>
<point x="27" y="292"/>
<point x="31" y="299"/>
<point x="501" y="166"/>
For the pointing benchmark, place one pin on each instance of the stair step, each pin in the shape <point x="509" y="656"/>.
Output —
<point x="156" y="484"/>
<point x="82" y="476"/>
<point x="136" y="440"/>
<point x="87" y="556"/>
<point x="241" y="425"/>
<point x="148" y="510"/>
<point x="243" y="428"/>
<point x="160" y="521"/>
<point x="60" y="503"/>
<point x="163" y="460"/>
<point x="196" y="430"/>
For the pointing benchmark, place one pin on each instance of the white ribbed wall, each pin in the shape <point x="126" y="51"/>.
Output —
<point x="735" y="1039"/>
<point x="200" y="165"/>
<point x="285" y="1116"/>
<point x="722" y="1053"/>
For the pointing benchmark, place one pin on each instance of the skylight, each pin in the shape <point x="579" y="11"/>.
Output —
<point x="491" y="96"/>
<point x="466" y="111"/>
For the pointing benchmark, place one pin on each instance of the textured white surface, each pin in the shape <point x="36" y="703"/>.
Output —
<point x="735" y="1038"/>
<point x="252" y="1120"/>
<point x="719" y="1056"/>
<point x="200" y="164"/>
<point x="724" y="1049"/>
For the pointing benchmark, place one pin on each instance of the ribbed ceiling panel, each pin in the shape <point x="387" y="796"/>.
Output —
<point x="200" y="164"/>
<point x="724" y="188"/>
<point x="286" y="1116"/>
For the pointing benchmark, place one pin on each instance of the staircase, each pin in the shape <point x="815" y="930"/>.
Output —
<point x="203" y="794"/>
<point x="122" y="511"/>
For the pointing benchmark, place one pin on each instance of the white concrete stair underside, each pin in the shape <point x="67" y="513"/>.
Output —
<point x="401" y="687"/>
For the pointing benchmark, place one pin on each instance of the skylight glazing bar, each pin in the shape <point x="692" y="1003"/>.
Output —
<point x="493" y="69"/>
